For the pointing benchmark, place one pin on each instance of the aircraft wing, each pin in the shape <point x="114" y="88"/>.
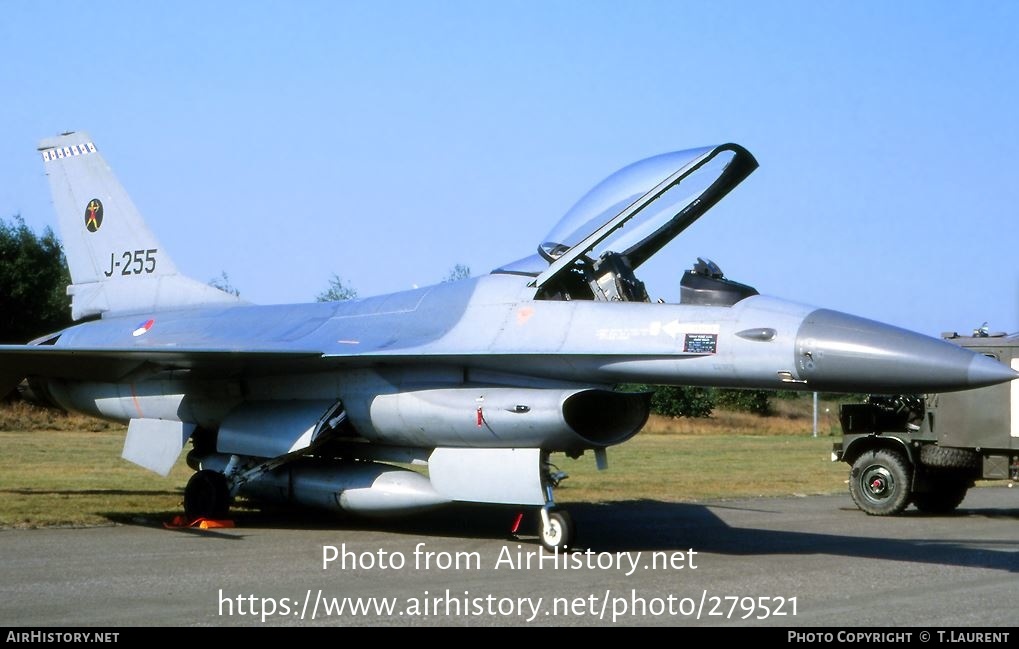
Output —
<point x="112" y="364"/>
<point x="117" y="364"/>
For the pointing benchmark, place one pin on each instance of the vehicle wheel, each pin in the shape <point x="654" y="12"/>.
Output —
<point x="559" y="533"/>
<point x="943" y="457"/>
<point x="207" y="495"/>
<point x="879" y="482"/>
<point x="943" y="498"/>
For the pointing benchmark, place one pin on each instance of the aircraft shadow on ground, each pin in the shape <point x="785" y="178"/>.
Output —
<point x="653" y="525"/>
<point x="650" y="525"/>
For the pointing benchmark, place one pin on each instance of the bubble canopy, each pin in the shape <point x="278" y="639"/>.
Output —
<point x="643" y="206"/>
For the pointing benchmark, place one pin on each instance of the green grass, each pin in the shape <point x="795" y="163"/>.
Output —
<point x="78" y="478"/>
<point x="699" y="467"/>
<point x="727" y="455"/>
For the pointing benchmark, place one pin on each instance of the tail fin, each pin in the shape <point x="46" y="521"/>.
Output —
<point x="116" y="263"/>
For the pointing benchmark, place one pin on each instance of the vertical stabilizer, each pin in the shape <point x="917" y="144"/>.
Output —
<point x="117" y="265"/>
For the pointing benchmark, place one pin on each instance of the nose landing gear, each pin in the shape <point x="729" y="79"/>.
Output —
<point x="556" y="530"/>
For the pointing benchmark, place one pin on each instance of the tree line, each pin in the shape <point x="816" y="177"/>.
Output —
<point x="33" y="282"/>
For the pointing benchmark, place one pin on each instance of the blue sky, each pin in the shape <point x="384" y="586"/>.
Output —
<point x="388" y="141"/>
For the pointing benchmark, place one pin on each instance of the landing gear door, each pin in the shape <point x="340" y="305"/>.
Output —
<point x="155" y="444"/>
<point x="273" y="428"/>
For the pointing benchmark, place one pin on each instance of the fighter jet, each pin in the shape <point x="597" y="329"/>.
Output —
<point x="480" y="380"/>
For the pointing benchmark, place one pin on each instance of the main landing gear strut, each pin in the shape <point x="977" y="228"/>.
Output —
<point x="210" y="492"/>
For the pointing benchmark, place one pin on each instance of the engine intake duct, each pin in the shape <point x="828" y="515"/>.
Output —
<point x="604" y="418"/>
<point x="501" y="417"/>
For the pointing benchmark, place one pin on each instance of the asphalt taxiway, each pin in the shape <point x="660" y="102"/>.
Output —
<point x="816" y="559"/>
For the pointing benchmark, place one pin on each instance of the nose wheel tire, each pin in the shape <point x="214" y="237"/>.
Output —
<point x="207" y="495"/>
<point x="559" y="533"/>
<point x="880" y="482"/>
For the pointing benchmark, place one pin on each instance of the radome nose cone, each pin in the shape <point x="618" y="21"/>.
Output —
<point x="984" y="370"/>
<point x="839" y="352"/>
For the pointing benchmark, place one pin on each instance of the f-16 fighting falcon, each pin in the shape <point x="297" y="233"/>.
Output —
<point x="480" y="380"/>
